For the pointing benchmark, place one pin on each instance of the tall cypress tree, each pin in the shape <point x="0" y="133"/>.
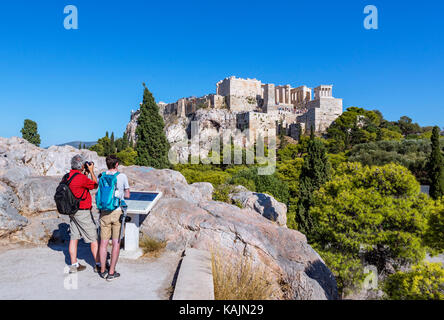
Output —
<point x="152" y="145"/>
<point x="125" y="141"/>
<point x="315" y="172"/>
<point x="30" y="132"/>
<point x="112" y="144"/>
<point x="436" y="167"/>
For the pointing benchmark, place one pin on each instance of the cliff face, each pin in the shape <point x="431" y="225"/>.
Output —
<point x="185" y="217"/>
<point x="208" y="123"/>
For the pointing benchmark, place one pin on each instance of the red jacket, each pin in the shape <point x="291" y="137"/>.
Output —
<point x="80" y="187"/>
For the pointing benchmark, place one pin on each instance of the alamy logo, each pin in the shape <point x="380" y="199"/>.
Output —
<point x="71" y="280"/>
<point x="231" y="144"/>
<point x="371" y="20"/>
<point x="71" y="21"/>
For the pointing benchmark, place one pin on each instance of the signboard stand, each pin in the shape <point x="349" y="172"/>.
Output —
<point x="139" y="203"/>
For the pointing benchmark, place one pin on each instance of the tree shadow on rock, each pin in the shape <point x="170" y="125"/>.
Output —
<point x="319" y="272"/>
<point x="269" y="211"/>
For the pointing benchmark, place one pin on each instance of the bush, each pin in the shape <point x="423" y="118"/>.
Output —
<point x="203" y="173"/>
<point x="411" y="154"/>
<point x="221" y="193"/>
<point x="270" y="184"/>
<point x="423" y="282"/>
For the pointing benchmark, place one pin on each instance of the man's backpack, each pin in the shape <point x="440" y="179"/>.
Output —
<point x="106" y="199"/>
<point x="67" y="203"/>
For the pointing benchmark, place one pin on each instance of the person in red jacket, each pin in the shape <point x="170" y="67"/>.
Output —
<point x="82" y="224"/>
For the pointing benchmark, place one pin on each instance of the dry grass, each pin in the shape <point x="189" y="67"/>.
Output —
<point x="151" y="247"/>
<point x="240" y="280"/>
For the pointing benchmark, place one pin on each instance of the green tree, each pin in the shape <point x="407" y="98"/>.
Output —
<point x="128" y="156"/>
<point x="376" y="215"/>
<point x="98" y="148"/>
<point x="408" y="127"/>
<point x="354" y="126"/>
<point x="80" y="146"/>
<point x="315" y="172"/>
<point x="30" y="132"/>
<point x="423" y="282"/>
<point x="436" y="167"/>
<point x="152" y="146"/>
<point x="435" y="232"/>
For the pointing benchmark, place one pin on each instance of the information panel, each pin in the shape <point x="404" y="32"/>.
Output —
<point x="141" y="202"/>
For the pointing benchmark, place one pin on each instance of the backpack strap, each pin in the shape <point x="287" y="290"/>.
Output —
<point x="69" y="182"/>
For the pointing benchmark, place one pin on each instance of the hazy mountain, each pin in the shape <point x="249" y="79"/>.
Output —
<point x="75" y="144"/>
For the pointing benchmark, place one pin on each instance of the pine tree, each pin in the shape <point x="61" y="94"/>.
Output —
<point x="30" y="132"/>
<point x="80" y="146"/>
<point x="436" y="167"/>
<point x="314" y="173"/>
<point x="152" y="146"/>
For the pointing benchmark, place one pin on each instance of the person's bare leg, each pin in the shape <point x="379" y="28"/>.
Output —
<point x="95" y="250"/>
<point x="73" y="251"/>
<point x="114" y="255"/>
<point x="103" y="252"/>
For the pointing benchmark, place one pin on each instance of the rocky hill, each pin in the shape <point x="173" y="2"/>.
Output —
<point x="210" y="123"/>
<point x="185" y="217"/>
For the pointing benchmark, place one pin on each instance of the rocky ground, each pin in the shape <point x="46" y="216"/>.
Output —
<point x="186" y="216"/>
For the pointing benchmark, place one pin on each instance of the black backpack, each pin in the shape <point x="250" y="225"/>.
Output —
<point x="65" y="200"/>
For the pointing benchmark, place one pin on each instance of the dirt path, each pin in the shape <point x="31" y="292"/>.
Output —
<point x="41" y="273"/>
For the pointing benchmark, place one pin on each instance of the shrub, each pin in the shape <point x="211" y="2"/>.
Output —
<point x="411" y="154"/>
<point x="423" y="282"/>
<point x="203" y="173"/>
<point x="271" y="184"/>
<point x="221" y="193"/>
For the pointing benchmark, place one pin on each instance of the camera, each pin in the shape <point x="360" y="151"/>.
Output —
<point x="86" y="165"/>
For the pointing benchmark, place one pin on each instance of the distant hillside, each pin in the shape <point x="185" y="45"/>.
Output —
<point x="75" y="144"/>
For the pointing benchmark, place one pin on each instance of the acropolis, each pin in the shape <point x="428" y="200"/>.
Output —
<point x="259" y="105"/>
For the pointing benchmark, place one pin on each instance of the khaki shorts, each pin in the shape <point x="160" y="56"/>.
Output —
<point x="82" y="226"/>
<point x="110" y="225"/>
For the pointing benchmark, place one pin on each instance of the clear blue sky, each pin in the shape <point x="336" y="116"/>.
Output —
<point x="78" y="84"/>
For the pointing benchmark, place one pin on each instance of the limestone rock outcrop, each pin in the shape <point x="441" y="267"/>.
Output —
<point x="10" y="219"/>
<point x="54" y="161"/>
<point x="264" y="204"/>
<point x="210" y="124"/>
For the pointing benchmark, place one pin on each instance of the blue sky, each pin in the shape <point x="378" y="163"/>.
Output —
<point x="77" y="84"/>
